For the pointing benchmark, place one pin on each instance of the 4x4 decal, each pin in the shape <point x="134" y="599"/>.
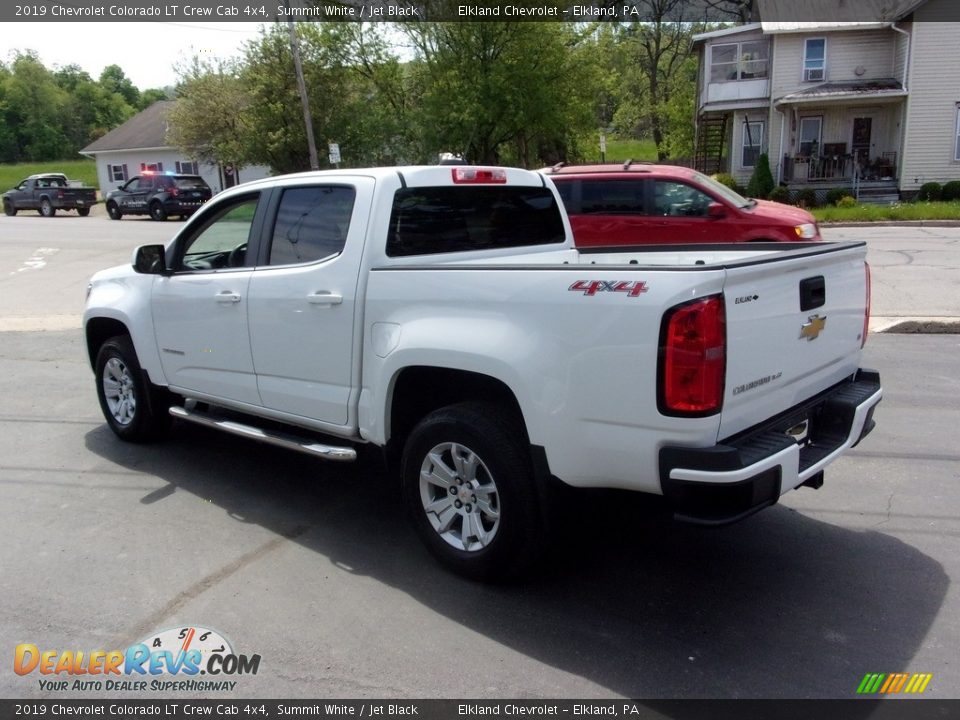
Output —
<point x="633" y="288"/>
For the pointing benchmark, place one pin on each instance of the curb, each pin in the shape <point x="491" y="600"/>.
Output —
<point x="915" y="325"/>
<point x="891" y="223"/>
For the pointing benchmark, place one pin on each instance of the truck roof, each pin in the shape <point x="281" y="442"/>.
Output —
<point x="425" y="175"/>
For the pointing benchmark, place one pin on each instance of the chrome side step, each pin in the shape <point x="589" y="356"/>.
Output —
<point x="327" y="452"/>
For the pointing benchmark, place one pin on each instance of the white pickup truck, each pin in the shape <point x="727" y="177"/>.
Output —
<point x="443" y="315"/>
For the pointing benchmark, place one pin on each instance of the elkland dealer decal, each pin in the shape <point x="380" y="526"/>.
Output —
<point x="168" y="661"/>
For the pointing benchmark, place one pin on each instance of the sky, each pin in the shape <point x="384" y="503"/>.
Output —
<point x="147" y="52"/>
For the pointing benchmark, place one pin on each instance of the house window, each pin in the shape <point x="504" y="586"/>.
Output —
<point x="151" y="167"/>
<point x="752" y="143"/>
<point x="956" y="147"/>
<point x="187" y="168"/>
<point x="815" y="59"/>
<point x="117" y="173"/>
<point x="739" y="61"/>
<point x="810" y="136"/>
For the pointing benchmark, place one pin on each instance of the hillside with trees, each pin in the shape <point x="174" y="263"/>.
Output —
<point x="51" y="114"/>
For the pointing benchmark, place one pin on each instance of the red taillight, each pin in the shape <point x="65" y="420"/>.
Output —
<point x="693" y="358"/>
<point x="866" y="312"/>
<point x="472" y="175"/>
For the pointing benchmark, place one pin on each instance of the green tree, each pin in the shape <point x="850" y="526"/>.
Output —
<point x="149" y="97"/>
<point x="90" y="109"/>
<point x="114" y="80"/>
<point x="499" y="91"/>
<point x="209" y="120"/>
<point x="659" y="75"/>
<point x="35" y="106"/>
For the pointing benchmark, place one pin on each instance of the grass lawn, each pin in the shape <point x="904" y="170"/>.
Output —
<point x="84" y="170"/>
<point x="618" y="150"/>
<point x="897" y="211"/>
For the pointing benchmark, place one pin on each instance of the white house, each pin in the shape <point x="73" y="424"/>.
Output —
<point x="141" y="144"/>
<point x="873" y="106"/>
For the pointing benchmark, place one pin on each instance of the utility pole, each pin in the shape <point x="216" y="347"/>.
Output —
<point x="302" y="87"/>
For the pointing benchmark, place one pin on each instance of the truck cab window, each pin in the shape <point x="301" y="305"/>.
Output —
<point x="312" y="224"/>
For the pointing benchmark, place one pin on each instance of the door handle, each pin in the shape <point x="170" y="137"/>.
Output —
<point x="324" y="297"/>
<point x="227" y="297"/>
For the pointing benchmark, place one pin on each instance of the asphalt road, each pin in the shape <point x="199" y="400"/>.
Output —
<point x="313" y="566"/>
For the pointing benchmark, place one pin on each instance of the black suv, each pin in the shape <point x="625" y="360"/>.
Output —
<point x="158" y="195"/>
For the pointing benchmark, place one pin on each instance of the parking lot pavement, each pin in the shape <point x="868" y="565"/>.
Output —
<point x="313" y="566"/>
<point x="916" y="287"/>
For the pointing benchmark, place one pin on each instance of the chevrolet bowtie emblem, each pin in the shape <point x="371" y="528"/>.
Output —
<point x="813" y="327"/>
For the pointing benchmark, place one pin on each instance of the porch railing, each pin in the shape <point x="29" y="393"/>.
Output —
<point x="835" y="168"/>
<point x="801" y="168"/>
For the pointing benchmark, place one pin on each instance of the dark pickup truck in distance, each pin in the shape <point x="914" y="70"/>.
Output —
<point x="48" y="193"/>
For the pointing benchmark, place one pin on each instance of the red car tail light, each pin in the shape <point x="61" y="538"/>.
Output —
<point x="693" y="358"/>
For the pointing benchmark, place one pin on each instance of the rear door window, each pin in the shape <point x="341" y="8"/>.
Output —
<point x="613" y="197"/>
<point x="190" y="183"/>
<point x="312" y="224"/>
<point x="433" y="220"/>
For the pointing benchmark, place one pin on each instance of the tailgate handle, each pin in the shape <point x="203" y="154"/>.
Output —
<point x="813" y="293"/>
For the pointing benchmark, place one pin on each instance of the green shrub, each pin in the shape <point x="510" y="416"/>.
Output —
<point x="807" y="198"/>
<point x="846" y="202"/>
<point x="930" y="191"/>
<point x="761" y="182"/>
<point x="835" y="195"/>
<point x="951" y="191"/>
<point x="780" y="194"/>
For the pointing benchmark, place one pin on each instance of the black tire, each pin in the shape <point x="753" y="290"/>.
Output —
<point x="46" y="208"/>
<point x="157" y="212"/>
<point x="489" y="440"/>
<point x="8" y="209"/>
<point x="114" y="211"/>
<point x="83" y="212"/>
<point x="134" y="409"/>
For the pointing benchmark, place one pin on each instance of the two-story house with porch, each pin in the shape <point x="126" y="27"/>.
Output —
<point x="871" y="106"/>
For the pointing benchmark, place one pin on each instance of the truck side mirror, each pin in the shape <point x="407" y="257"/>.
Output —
<point x="150" y="260"/>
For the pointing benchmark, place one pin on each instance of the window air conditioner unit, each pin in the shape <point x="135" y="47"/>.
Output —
<point x="813" y="74"/>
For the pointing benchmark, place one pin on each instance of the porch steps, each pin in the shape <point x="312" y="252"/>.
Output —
<point x="711" y="133"/>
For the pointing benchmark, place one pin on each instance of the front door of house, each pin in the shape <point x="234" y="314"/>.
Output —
<point x="860" y="143"/>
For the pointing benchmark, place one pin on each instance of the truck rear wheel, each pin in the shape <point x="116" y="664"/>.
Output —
<point x="134" y="409"/>
<point x="9" y="209"/>
<point x="46" y="208"/>
<point x="469" y="488"/>
<point x="83" y="212"/>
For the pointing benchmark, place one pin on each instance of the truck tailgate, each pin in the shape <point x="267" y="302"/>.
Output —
<point x="794" y="328"/>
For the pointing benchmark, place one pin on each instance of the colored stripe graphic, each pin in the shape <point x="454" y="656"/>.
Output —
<point x="892" y="683"/>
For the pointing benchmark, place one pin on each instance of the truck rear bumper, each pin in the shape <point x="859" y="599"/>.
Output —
<point x="746" y="473"/>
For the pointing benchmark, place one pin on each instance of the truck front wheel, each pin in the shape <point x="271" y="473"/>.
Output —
<point x="113" y="210"/>
<point x="134" y="409"/>
<point x="9" y="209"/>
<point x="469" y="488"/>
